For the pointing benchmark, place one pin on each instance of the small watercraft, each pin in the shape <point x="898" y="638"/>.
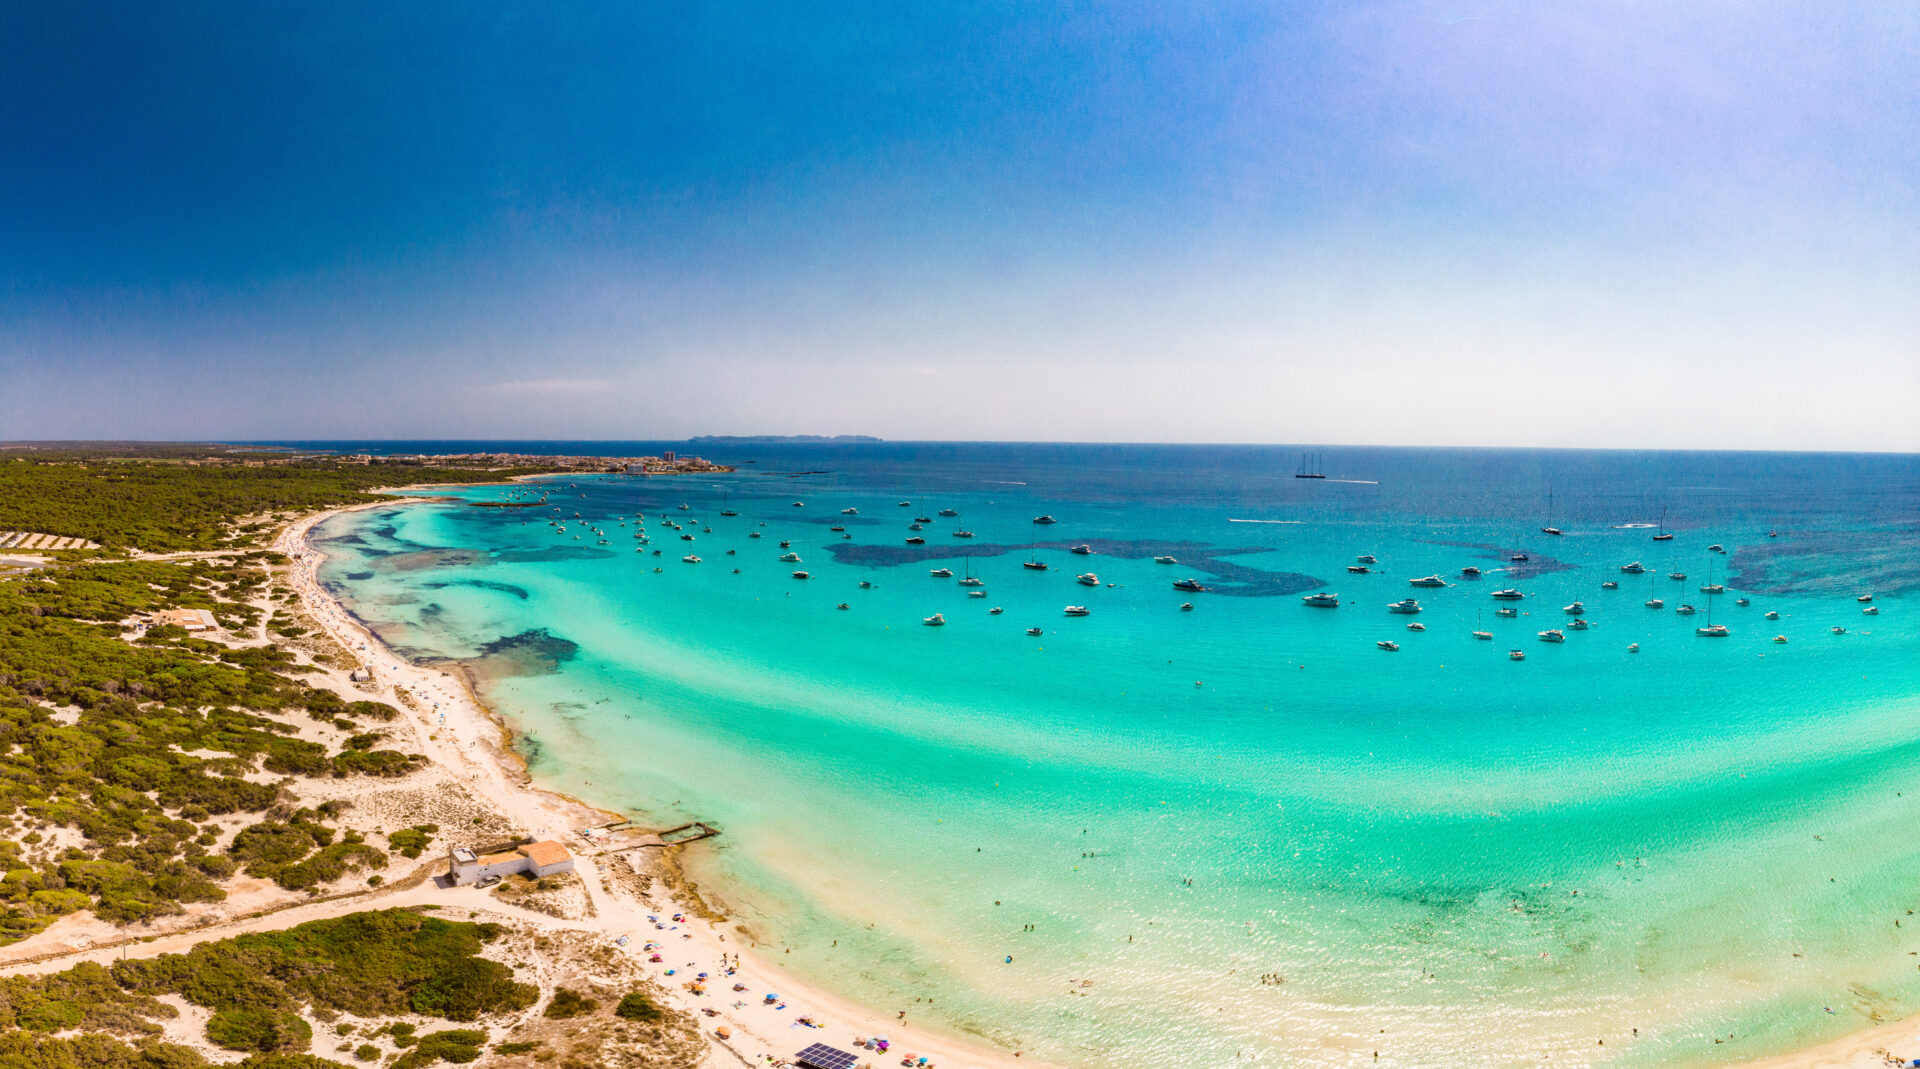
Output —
<point x="1082" y="550"/>
<point x="1686" y="610"/>
<point x="849" y="512"/>
<point x="1837" y="630"/>
<point x="1416" y="626"/>
<point x="753" y="534"/>
<point x="1678" y="577"/>
<point x="790" y="558"/>
<point x="1036" y="565"/>
<point x="1716" y="548"/>
<point x="1485" y="636"/>
<point x="1404" y="605"/>
<point x="1771" y="615"/>
<point x="1579" y="624"/>
<point x="1743" y="602"/>
<point x="1390" y="647"/>
<point x="1780" y="640"/>
<point x="1078" y="610"/>
<point x="1367" y="558"/>
<point x="1186" y="606"/>
<point x="916" y="540"/>
<point x="683" y="508"/>
<point x="801" y="575"/>
<point x="1635" y="568"/>
<point x="1358" y="569"/>
<point x="1034" y="631"/>
<point x="1187" y="584"/>
<point x="905" y="504"/>
<point x="973" y="580"/>
<point x="1713" y="588"/>
<point x="1633" y="647"/>
<point x="1553" y="635"/>
<point x="1322" y="601"/>
<point x="836" y="528"/>
<point x="1507" y="612"/>
<point x="1611" y="584"/>
<point x="786" y="543"/>
<point x="936" y="620"/>
<point x="995" y="611"/>
<point x="1574" y="609"/>
<point x="865" y="585"/>
<point x="1087" y="579"/>
<point x="1509" y="594"/>
<point x="1516" y="655"/>
<point x="941" y="573"/>
<point x="690" y="559"/>
<point x="1431" y="580"/>
<point x="948" y="512"/>
<point x="1712" y="631"/>
<point x="1519" y="558"/>
<point x="1871" y="610"/>
<point x="913" y="527"/>
<point x="923" y="519"/>
<point x="1165" y="560"/>
<point x="1470" y="572"/>
<point x="843" y="605"/>
<point x="976" y="593"/>
<point x="1044" y="519"/>
<point x="963" y="534"/>
<point x="1864" y="597"/>
<point x="1656" y="603"/>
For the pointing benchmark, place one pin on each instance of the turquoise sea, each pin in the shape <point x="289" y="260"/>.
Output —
<point x="1242" y="834"/>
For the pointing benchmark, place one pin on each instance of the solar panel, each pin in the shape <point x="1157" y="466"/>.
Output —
<point x="821" y="1056"/>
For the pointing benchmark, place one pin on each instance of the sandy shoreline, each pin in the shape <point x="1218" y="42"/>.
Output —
<point x="458" y="732"/>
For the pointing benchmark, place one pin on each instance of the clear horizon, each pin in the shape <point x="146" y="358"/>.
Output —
<point x="1448" y="224"/>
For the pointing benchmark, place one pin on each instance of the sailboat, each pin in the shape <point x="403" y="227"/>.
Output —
<point x="1711" y="630"/>
<point x="1661" y="534"/>
<point x="1550" y="528"/>
<point x="1654" y="600"/>
<point x="1304" y="473"/>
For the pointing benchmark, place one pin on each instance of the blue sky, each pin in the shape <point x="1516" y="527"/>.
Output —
<point x="1656" y="224"/>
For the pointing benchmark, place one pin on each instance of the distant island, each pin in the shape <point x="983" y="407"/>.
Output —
<point x="733" y="438"/>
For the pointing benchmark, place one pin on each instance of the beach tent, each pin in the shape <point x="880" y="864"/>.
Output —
<point x="821" y="1056"/>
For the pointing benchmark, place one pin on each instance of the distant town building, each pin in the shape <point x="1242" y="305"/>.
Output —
<point x="536" y="859"/>
<point x="667" y="456"/>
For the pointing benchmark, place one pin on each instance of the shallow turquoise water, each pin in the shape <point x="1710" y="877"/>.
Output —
<point x="1446" y="854"/>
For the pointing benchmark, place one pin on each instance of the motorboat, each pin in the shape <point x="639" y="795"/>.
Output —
<point x="1405" y="605"/>
<point x="1431" y="580"/>
<point x="1716" y="548"/>
<point x="1187" y="584"/>
<point x="799" y="504"/>
<point x="1078" y="610"/>
<point x="843" y="605"/>
<point x="1087" y="579"/>
<point x="753" y="534"/>
<point x="865" y="585"/>
<point x="1871" y="610"/>
<point x="1837" y="630"/>
<point x="728" y="512"/>
<point x="1611" y="584"/>
<point x="995" y="611"/>
<point x="1416" y="626"/>
<point x="1636" y="568"/>
<point x="1780" y="640"/>
<point x="1509" y="594"/>
<point x="1035" y="631"/>
<point x="1082" y="550"/>
<point x="1322" y="601"/>
<point x="948" y="512"/>
<point x="1507" y="612"/>
<point x="790" y="558"/>
<point x="1390" y="647"/>
<point x="916" y="540"/>
<point x="1574" y="609"/>
<point x="936" y="620"/>
<point x="941" y="573"/>
<point x="1553" y="635"/>
<point x="1484" y="636"/>
<point x="1516" y="655"/>
<point x="1470" y="572"/>
<point x="786" y="543"/>
<point x="1771" y="615"/>
<point x="1743" y="602"/>
<point x="904" y="504"/>
<point x="1686" y="610"/>
<point x="836" y="528"/>
<point x="976" y="593"/>
<point x="1864" y="598"/>
<point x="1358" y="569"/>
<point x="915" y="526"/>
<point x="1165" y="560"/>
<point x="1044" y="519"/>
<point x="683" y="508"/>
<point x="690" y="559"/>
<point x="1633" y="647"/>
<point x="1367" y="558"/>
<point x="801" y="575"/>
<point x="1712" y="631"/>
<point x="1579" y="624"/>
<point x="1186" y="606"/>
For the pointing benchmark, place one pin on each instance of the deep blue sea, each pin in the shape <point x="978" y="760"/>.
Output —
<point x="1242" y="832"/>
